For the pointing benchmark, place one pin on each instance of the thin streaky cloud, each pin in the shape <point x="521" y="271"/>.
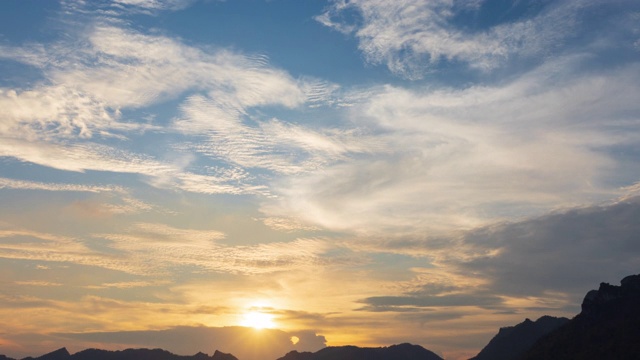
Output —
<point x="6" y="183"/>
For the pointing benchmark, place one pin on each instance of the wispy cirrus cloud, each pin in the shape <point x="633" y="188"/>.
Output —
<point x="112" y="68"/>
<point x="460" y="158"/>
<point x="171" y="247"/>
<point x="156" y="249"/>
<point x="411" y="37"/>
<point x="272" y="144"/>
<point x="90" y="84"/>
<point x="6" y="183"/>
<point x="154" y="4"/>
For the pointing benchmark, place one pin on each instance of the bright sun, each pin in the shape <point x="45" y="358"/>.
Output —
<point x="257" y="320"/>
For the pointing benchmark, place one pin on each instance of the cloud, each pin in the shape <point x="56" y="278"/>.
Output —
<point x="70" y="119"/>
<point x="6" y="183"/>
<point x="287" y="224"/>
<point x="454" y="159"/>
<point x="398" y="303"/>
<point x="536" y="266"/>
<point x="155" y="250"/>
<point x="52" y="112"/>
<point x="562" y="252"/>
<point x="111" y="68"/>
<point x="411" y="37"/>
<point x="84" y="156"/>
<point x="273" y="144"/>
<point x="163" y="248"/>
<point x="37" y="283"/>
<point x="32" y="245"/>
<point x="154" y="4"/>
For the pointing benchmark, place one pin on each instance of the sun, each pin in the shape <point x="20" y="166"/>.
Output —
<point x="257" y="320"/>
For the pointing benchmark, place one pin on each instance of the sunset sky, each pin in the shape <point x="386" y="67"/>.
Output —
<point x="179" y="174"/>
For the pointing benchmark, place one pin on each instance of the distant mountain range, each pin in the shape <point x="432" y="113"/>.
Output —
<point x="394" y="352"/>
<point x="608" y="327"/>
<point x="129" y="354"/>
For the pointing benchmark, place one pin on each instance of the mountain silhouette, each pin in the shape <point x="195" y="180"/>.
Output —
<point x="513" y="341"/>
<point x="608" y="327"/>
<point x="394" y="352"/>
<point x="128" y="354"/>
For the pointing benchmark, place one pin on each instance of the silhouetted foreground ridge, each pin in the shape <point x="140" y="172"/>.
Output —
<point x="607" y="328"/>
<point x="513" y="341"/>
<point x="394" y="352"/>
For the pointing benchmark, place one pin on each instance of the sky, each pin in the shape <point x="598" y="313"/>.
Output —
<point x="259" y="176"/>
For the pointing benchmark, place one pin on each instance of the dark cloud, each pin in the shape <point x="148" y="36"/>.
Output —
<point x="567" y="252"/>
<point x="398" y="302"/>
<point x="552" y="260"/>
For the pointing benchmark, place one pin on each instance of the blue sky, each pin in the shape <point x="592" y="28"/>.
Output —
<point x="357" y="172"/>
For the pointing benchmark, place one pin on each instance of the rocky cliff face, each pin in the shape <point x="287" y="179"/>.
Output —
<point x="597" y="300"/>
<point x="607" y="328"/>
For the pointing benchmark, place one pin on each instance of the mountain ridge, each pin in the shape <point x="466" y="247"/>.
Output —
<point x="516" y="340"/>
<point x="403" y="351"/>
<point x="608" y="327"/>
<point x="127" y="354"/>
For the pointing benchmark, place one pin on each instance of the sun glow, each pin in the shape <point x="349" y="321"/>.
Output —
<point x="257" y="320"/>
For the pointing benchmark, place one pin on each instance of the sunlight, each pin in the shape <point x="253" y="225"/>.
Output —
<point x="257" y="320"/>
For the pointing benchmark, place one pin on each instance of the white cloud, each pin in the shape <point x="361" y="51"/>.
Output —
<point x="274" y="145"/>
<point x="111" y="69"/>
<point x="52" y="112"/>
<point x="156" y="4"/>
<point x="460" y="158"/>
<point x="411" y="36"/>
<point x="6" y="183"/>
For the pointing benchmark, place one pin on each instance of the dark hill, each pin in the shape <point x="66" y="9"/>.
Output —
<point x="59" y="354"/>
<point x="129" y="354"/>
<point x="394" y="352"/>
<point x="513" y="341"/>
<point x="607" y="328"/>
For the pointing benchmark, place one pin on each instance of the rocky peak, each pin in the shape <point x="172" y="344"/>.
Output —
<point x="219" y="355"/>
<point x="631" y="283"/>
<point x="607" y="327"/>
<point x="59" y="354"/>
<point x="606" y="293"/>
